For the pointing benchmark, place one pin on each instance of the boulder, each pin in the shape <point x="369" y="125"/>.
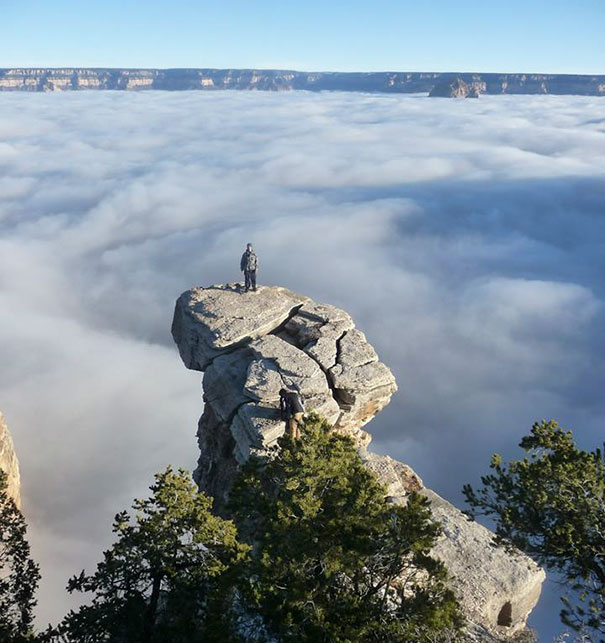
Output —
<point x="297" y="370"/>
<point x="362" y="385"/>
<point x="317" y="329"/>
<point x="497" y="588"/>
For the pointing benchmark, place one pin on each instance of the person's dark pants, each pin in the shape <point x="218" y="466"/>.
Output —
<point x="250" y="276"/>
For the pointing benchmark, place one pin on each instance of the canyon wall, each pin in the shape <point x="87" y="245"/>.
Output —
<point x="68" y="78"/>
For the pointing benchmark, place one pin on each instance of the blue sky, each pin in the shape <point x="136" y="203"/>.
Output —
<point x="440" y="35"/>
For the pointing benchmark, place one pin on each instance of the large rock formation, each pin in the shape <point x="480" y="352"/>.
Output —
<point x="74" y="78"/>
<point x="457" y="88"/>
<point x="250" y="346"/>
<point x="9" y="463"/>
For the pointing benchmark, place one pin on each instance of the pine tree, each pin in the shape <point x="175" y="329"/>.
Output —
<point x="19" y="575"/>
<point x="166" y="577"/>
<point x="551" y="505"/>
<point x="333" y="560"/>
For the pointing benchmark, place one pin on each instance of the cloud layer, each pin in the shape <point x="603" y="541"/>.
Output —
<point x="465" y="238"/>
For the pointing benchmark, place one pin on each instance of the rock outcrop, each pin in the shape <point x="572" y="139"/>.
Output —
<point x="250" y="346"/>
<point x="457" y="88"/>
<point x="77" y="79"/>
<point x="9" y="463"/>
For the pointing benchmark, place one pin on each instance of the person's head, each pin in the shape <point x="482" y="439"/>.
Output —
<point x="249" y="247"/>
<point x="282" y="392"/>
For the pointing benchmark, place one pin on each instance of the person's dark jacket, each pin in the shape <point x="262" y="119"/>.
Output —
<point x="290" y="404"/>
<point x="249" y="261"/>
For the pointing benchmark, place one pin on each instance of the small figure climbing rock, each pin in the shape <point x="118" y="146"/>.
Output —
<point x="292" y="409"/>
<point x="249" y="265"/>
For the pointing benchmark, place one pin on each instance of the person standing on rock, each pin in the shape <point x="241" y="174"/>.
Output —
<point x="291" y="408"/>
<point x="249" y="265"/>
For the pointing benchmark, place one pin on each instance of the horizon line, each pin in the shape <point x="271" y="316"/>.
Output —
<point x="297" y="71"/>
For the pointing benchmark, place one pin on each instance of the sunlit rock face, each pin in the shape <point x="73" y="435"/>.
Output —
<point x="9" y="463"/>
<point x="249" y="346"/>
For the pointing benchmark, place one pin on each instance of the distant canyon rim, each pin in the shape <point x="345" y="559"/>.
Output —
<point x="394" y="82"/>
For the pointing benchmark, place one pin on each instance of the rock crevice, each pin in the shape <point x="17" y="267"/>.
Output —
<point x="249" y="346"/>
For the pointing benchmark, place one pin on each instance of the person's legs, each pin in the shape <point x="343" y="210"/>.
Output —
<point x="292" y="428"/>
<point x="247" y="279"/>
<point x="298" y="418"/>
<point x="253" y="279"/>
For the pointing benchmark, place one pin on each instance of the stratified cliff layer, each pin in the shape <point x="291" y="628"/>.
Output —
<point x="249" y="346"/>
<point x="9" y="463"/>
<point x="61" y="79"/>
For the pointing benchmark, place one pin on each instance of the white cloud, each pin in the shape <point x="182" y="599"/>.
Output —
<point x="463" y="236"/>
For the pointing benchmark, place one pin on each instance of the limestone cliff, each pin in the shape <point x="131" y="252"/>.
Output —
<point x="9" y="463"/>
<point x="251" y="345"/>
<point x="74" y="78"/>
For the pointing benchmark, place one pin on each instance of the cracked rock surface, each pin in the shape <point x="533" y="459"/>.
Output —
<point x="209" y="321"/>
<point x="250" y="345"/>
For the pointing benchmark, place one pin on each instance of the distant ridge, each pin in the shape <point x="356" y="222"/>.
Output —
<point x="74" y="78"/>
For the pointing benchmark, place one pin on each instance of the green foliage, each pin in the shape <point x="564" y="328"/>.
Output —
<point x="166" y="577"/>
<point x="333" y="561"/>
<point x="551" y="505"/>
<point x="19" y="575"/>
<point x="329" y="560"/>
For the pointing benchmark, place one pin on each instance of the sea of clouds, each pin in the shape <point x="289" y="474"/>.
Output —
<point x="466" y="238"/>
